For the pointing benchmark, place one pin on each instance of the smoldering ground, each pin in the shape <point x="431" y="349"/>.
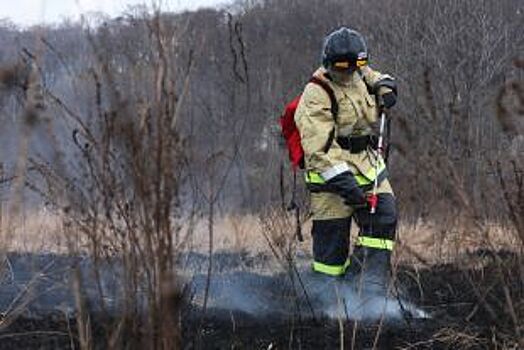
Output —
<point x="436" y="307"/>
<point x="46" y="279"/>
<point x="249" y="307"/>
<point x="306" y="294"/>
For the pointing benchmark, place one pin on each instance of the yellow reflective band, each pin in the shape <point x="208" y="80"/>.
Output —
<point x="361" y="63"/>
<point x="343" y="64"/>
<point x="362" y="180"/>
<point x="314" y="178"/>
<point x="369" y="177"/>
<point x="377" y="243"/>
<point x="332" y="270"/>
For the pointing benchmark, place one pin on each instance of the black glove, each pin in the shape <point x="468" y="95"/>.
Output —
<point x="388" y="100"/>
<point x="345" y="185"/>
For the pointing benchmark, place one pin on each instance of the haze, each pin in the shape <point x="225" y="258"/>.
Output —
<point x="31" y="12"/>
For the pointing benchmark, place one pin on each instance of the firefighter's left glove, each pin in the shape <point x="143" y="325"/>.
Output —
<point x="345" y="185"/>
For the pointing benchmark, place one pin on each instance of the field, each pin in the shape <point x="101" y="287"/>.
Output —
<point x="145" y="187"/>
<point x="446" y="296"/>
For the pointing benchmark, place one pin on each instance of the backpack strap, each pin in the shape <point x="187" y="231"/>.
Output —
<point x="331" y="94"/>
<point x="334" y="108"/>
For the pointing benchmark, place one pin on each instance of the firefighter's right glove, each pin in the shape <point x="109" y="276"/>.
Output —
<point x="386" y="98"/>
<point x="345" y="185"/>
<point x="389" y="99"/>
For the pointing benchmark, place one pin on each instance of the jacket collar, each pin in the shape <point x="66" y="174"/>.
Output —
<point x="323" y="74"/>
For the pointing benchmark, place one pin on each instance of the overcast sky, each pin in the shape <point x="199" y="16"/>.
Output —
<point x="29" y="12"/>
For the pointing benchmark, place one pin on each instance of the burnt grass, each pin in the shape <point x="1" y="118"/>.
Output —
<point x="468" y="305"/>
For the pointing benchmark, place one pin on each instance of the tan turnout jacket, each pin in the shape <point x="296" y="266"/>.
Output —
<point x="357" y="110"/>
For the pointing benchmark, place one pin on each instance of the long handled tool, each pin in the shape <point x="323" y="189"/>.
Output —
<point x="373" y="199"/>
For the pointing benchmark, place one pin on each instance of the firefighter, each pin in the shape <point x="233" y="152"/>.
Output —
<point x="342" y="162"/>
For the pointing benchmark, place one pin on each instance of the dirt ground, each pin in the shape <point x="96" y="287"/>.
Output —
<point x="469" y="308"/>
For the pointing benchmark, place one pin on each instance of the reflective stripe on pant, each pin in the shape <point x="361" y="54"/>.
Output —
<point x="331" y="246"/>
<point x="372" y="252"/>
<point x="375" y="243"/>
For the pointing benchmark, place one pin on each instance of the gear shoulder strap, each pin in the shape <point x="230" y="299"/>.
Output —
<point x="334" y="109"/>
<point x="324" y="85"/>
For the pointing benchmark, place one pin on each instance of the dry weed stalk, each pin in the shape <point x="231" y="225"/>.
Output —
<point x="21" y="79"/>
<point x="466" y="227"/>
<point x="510" y="167"/>
<point x="121" y="193"/>
<point x="510" y="174"/>
<point x="461" y="339"/>
<point x="278" y="230"/>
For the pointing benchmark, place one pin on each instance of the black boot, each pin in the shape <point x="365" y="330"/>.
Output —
<point x="319" y="290"/>
<point x="353" y="273"/>
<point x="371" y="268"/>
<point x="356" y="262"/>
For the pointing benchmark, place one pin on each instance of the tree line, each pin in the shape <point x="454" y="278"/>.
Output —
<point x="232" y="70"/>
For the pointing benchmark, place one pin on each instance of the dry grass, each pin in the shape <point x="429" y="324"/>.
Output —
<point x="36" y="230"/>
<point x="39" y="230"/>
<point x="430" y="243"/>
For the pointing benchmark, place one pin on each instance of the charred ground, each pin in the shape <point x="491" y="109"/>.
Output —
<point x="469" y="308"/>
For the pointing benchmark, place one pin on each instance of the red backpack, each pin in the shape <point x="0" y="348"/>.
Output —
<point x="289" y="128"/>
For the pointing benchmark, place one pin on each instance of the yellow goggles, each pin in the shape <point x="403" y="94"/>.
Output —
<point x="341" y="65"/>
<point x="344" y="65"/>
<point x="362" y="63"/>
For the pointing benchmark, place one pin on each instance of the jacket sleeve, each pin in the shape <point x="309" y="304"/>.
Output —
<point x="378" y="82"/>
<point x="316" y="125"/>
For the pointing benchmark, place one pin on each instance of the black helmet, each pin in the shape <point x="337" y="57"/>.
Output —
<point x="344" y="49"/>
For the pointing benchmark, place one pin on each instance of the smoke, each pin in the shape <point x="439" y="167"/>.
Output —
<point x="359" y="297"/>
<point x="364" y="298"/>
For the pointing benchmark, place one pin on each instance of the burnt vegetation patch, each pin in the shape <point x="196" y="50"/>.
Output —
<point x="467" y="308"/>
